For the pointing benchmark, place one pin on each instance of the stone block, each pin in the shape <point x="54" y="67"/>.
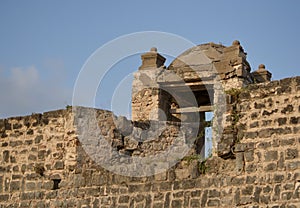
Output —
<point x="295" y="120"/>
<point x="289" y="186"/>
<point x="15" y="143"/>
<point x="278" y="178"/>
<point x="286" y="196"/>
<point x="165" y="186"/>
<point x="213" y="203"/>
<point x="4" y="197"/>
<point x="257" y="193"/>
<point x="28" y="142"/>
<point x="251" y="135"/>
<point x="119" y="206"/>
<point x="139" y="188"/>
<point x="248" y="190"/>
<point x="27" y="195"/>
<point x="25" y="204"/>
<point x="265" y="133"/>
<point x="251" y="179"/>
<point x="281" y="121"/>
<point x="177" y="203"/>
<point x="167" y="199"/>
<point x="254" y="124"/>
<point x="123" y="199"/>
<point x="188" y="184"/>
<point x="287" y="142"/>
<point x="79" y="181"/>
<point x="245" y="200"/>
<point x="4" y="144"/>
<point x="59" y="165"/>
<point x="196" y="193"/>
<point x="195" y="203"/>
<point x="291" y="154"/>
<point x="39" y="195"/>
<point x="249" y="156"/>
<point x="48" y="185"/>
<point x="161" y="176"/>
<point x="237" y="181"/>
<point x="94" y="191"/>
<point x="15" y="186"/>
<point x="182" y="174"/>
<point x="266" y="122"/>
<point x="270" y="167"/>
<point x="213" y="193"/>
<point x="32" y="157"/>
<point x="271" y="155"/>
<point x="38" y="139"/>
<point x="277" y="191"/>
<point x="239" y="161"/>
<point x="158" y="196"/>
<point x="5" y="156"/>
<point x="17" y="126"/>
<point x="292" y="165"/>
<point x="267" y="189"/>
<point x="158" y="205"/>
<point x="51" y="194"/>
<point x="30" y="186"/>
<point x="265" y="199"/>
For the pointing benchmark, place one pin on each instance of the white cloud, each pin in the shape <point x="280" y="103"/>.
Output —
<point x="24" y="78"/>
<point x="24" y="91"/>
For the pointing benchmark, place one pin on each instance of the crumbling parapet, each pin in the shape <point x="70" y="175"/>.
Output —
<point x="199" y="68"/>
<point x="194" y="83"/>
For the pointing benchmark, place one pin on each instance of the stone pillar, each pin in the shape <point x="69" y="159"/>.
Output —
<point x="219" y="119"/>
<point x="152" y="59"/>
<point x="145" y="89"/>
<point x="234" y="69"/>
<point x="261" y="74"/>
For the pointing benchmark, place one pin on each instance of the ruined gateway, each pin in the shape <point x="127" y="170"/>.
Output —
<point x="83" y="157"/>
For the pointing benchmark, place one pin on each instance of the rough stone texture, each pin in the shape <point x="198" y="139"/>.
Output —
<point x="201" y="69"/>
<point x="43" y="163"/>
<point x="264" y="173"/>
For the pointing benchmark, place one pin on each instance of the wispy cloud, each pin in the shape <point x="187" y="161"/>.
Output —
<point x="24" y="91"/>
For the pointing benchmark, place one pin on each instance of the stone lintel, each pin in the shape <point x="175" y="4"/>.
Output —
<point x="192" y="109"/>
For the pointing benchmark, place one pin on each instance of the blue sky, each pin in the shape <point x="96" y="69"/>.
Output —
<point x="44" y="44"/>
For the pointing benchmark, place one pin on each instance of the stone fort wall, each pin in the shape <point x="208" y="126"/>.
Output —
<point x="43" y="164"/>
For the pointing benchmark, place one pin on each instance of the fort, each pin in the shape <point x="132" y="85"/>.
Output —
<point x="84" y="157"/>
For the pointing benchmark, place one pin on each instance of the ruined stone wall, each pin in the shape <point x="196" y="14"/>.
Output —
<point x="43" y="164"/>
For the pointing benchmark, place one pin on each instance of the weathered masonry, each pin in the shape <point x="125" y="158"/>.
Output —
<point x="199" y="70"/>
<point x="194" y="83"/>
<point x="45" y="163"/>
